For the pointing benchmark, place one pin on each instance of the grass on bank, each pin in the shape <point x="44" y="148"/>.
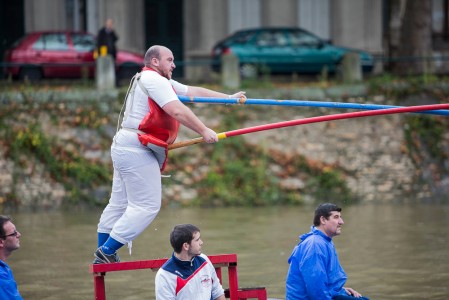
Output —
<point x="237" y="176"/>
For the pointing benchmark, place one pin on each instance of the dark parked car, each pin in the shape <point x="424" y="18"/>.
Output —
<point x="283" y="50"/>
<point x="62" y="54"/>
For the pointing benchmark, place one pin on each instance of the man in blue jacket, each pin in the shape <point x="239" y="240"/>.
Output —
<point x="9" y="241"/>
<point x="315" y="272"/>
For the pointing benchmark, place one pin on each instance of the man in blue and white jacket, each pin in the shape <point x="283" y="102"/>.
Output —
<point x="315" y="271"/>
<point x="188" y="274"/>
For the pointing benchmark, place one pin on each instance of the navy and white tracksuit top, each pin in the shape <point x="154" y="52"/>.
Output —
<point x="187" y="280"/>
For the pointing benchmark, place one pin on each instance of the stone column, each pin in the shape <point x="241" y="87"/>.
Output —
<point x="230" y="73"/>
<point x="105" y="73"/>
<point x="351" y="69"/>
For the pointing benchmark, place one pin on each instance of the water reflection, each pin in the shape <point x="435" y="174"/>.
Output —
<point x="388" y="251"/>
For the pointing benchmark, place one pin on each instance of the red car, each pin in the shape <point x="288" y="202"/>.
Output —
<point x="62" y="54"/>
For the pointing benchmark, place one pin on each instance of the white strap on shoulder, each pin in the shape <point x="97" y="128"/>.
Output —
<point x="142" y="87"/>
<point x="130" y="92"/>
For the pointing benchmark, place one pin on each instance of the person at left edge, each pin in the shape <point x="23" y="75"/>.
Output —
<point x="9" y="242"/>
<point x="139" y="150"/>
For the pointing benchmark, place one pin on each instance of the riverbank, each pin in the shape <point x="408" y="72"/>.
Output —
<point x="55" y="148"/>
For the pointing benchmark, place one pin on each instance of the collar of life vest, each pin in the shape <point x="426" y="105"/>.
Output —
<point x="149" y="69"/>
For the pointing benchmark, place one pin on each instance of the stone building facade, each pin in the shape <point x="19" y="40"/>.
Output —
<point x="192" y="27"/>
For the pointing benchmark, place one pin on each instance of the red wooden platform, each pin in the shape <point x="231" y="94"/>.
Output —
<point x="228" y="261"/>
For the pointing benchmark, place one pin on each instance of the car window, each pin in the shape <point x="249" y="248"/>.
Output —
<point x="301" y="38"/>
<point x="271" y="38"/>
<point x="51" y="41"/>
<point x="83" y="42"/>
<point x="241" y="37"/>
<point x="17" y="42"/>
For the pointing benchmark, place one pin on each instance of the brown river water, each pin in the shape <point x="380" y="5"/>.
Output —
<point x="389" y="251"/>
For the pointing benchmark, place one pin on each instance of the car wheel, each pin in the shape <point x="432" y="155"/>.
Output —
<point x="248" y="71"/>
<point x="127" y="71"/>
<point x="30" y="73"/>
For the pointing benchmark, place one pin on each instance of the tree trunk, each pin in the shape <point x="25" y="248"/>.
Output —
<point x="410" y="40"/>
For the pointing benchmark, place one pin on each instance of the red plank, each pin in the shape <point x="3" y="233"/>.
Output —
<point x="221" y="260"/>
<point x="127" y="266"/>
<point x="259" y="293"/>
<point x="227" y="259"/>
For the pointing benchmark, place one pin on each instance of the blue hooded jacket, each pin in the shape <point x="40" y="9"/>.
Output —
<point x="315" y="271"/>
<point x="8" y="286"/>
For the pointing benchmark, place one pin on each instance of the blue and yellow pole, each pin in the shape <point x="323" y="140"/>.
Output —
<point x="304" y="103"/>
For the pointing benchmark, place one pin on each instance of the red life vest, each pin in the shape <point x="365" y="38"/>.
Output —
<point x="160" y="130"/>
<point x="158" y="123"/>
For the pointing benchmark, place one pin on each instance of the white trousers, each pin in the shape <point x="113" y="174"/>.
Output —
<point x="136" y="194"/>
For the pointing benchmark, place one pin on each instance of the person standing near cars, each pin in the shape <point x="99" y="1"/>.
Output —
<point x="9" y="242"/>
<point x="107" y="38"/>
<point x="188" y="274"/>
<point x="315" y="271"/>
<point x="139" y="150"/>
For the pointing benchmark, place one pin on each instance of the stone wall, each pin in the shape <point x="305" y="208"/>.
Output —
<point x="371" y="152"/>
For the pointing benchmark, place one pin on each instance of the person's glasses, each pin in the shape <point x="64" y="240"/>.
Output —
<point x="15" y="233"/>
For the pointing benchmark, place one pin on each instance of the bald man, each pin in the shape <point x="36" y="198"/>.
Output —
<point x="139" y="150"/>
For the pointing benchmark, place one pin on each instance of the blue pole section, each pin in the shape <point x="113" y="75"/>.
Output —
<point x="304" y="103"/>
